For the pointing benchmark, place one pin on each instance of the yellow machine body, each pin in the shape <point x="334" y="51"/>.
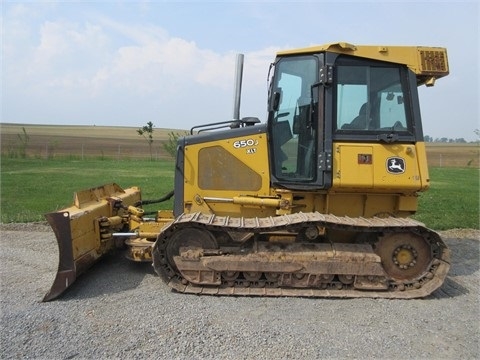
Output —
<point x="314" y="202"/>
<point x="224" y="180"/>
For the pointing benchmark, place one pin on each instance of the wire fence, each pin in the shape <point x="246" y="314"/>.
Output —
<point x="92" y="148"/>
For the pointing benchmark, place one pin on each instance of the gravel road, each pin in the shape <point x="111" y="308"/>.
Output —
<point x="123" y="310"/>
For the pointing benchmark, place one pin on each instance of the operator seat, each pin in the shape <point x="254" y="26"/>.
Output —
<point x="360" y="122"/>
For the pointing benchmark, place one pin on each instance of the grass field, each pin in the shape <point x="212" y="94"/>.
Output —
<point x="63" y="159"/>
<point x="452" y="200"/>
<point x="32" y="187"/>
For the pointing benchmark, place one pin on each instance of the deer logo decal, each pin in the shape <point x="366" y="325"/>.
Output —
<point x="395" y="165"/>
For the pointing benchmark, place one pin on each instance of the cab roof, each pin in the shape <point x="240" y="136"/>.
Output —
<point x="428" y="63"/>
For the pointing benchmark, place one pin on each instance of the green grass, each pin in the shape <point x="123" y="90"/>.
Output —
<point x="452" y="200"/>
<point x="33" y="187"/>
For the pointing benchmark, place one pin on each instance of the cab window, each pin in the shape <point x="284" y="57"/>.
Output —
<point x="369" y="99"/>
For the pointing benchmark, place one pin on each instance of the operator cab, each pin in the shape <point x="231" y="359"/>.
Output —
<point x="319" y="98"/>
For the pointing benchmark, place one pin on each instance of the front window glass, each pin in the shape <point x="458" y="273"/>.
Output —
<point x="370" y="99"/>
<point x="293" y="134"/>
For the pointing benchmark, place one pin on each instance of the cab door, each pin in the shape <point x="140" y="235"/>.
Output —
<point x="296" y="126"/>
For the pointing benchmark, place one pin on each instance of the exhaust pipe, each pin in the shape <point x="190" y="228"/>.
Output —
<point x="237" y="91"/>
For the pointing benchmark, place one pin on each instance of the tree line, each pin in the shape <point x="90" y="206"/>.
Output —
<point x="430" y="139"/>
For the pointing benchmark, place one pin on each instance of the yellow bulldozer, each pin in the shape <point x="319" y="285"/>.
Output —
<point x="313" y="202"/>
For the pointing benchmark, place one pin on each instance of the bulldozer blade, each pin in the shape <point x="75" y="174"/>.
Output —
<point x="66" y="273"/>
<point x="84" y="231"/>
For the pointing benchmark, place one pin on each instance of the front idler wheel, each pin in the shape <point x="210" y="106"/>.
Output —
<point x="192" y="237"/>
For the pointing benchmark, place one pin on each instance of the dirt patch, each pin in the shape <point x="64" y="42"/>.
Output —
<point x="125" y="143"/>
<point x="83" y="141"/>
<point x="453" y="155"/>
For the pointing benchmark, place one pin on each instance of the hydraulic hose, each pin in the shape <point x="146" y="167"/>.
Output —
<point x="156" y="201"/>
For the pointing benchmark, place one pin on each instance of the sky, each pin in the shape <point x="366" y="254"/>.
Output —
<point x="125" y="63"/>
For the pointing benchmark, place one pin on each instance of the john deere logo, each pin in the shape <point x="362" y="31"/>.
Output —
<point x="395" y="165"/>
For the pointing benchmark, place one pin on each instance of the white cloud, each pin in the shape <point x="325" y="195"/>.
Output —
<point x="69" y="62"/>
<point x="102" y="63"/>
<point x="215" y="69"/>
<point x="53" y="43"/>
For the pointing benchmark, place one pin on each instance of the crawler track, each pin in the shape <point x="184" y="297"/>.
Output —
<point x="381" y="258"/>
